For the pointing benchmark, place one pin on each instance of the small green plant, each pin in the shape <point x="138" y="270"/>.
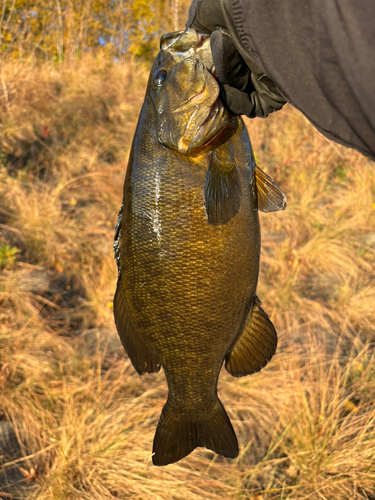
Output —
<point x="8" y="256"/>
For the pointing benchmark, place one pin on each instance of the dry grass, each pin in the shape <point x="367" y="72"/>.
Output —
<point x="84" y="419"/>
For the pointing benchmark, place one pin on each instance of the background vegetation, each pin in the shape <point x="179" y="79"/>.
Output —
<point x="83" y="419"/>
<point x="67" y="30"/>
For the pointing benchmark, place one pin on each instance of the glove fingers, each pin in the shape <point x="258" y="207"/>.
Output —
<point x="252" y="105"/>
<point x="238" y="102"/>
<point x="230" y="68"/>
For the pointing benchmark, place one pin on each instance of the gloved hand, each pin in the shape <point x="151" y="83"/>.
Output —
<point x="245" y="89"/>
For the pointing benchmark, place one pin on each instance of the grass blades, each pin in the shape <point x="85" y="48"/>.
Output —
<point x="83" y="419"/>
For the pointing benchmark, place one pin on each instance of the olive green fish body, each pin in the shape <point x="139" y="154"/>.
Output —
<point x="187" y="247"/>
<point x="189" y="283"/>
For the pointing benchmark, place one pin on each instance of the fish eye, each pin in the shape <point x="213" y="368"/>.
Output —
<point x="160" y="77"/>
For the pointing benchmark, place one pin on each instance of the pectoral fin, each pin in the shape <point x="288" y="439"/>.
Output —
<point x="222" y="190"/>
<point x="269" y="195"/>
<point x="256" y="345"/>
<point x="142" y="354"/>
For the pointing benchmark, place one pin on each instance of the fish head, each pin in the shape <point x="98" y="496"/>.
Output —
<point x="191" y="118"/>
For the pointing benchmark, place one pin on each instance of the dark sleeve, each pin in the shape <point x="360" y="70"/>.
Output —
<point x="320" y="54"/>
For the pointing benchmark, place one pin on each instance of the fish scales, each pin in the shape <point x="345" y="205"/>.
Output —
<point x="188" y="279"/>
<point x="188" y="273"/>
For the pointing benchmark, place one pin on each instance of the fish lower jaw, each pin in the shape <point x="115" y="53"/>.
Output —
<point x="206" y="131"/>
<point x="214" y="130"/>
<point x="197" y="136"/>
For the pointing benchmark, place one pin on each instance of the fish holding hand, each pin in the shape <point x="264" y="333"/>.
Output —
<point x="187" y="246"/>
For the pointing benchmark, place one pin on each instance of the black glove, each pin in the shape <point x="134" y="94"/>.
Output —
<point x="245" y="89"/>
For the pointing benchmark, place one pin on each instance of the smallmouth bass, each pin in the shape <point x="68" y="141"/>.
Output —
<point x="187" y="245"/>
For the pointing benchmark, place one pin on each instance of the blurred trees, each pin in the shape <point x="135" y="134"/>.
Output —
<point x="64" y="30"/>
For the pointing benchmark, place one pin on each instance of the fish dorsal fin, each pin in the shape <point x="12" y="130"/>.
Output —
<point x="255" y="346"/>
<point x="222" y="190"/>
<point x="269" y="195"/>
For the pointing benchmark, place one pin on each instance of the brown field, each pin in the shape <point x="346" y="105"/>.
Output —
<point x="84" y="420"/>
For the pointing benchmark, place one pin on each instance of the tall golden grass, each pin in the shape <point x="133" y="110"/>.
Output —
<point x="84" y="420"/>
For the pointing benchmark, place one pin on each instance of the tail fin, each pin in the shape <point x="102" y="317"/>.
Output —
<point x="177" y="434"/>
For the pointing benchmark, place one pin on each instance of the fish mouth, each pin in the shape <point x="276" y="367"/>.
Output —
<point x="191" y="115"/>
<point x="206" y="132"/>
<point x="195" y="126"/>
<point x="213" y="119"/>
<point x="204" y="95"/>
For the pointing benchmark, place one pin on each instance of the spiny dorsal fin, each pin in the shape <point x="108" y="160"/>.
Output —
<point x="222" y="190"/>
<point x="256" y="345"/>
<point x="269" y="195"/>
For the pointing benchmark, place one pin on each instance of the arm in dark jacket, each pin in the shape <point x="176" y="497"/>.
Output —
<point x="320" y="56"/>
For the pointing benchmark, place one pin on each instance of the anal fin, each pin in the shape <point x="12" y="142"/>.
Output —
<point x="142" y="354"/>
<point x="269" y="195"/>
<point x="255" y="346"/>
